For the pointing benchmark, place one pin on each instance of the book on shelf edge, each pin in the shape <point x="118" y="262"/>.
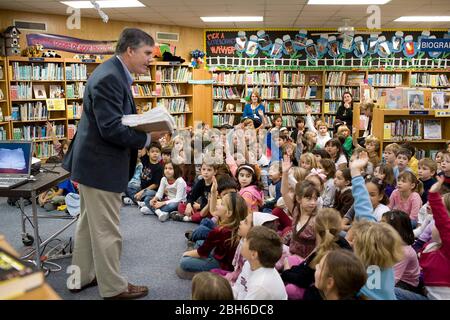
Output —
<point x="17" y="276"/>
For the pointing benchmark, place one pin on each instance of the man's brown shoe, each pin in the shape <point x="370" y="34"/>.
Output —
<point x="93" y="283"/>
<point x="133" y="292"/>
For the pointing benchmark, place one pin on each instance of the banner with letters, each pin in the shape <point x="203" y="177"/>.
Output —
<point x="327" y="48"/>
<point x="70" y="44"/>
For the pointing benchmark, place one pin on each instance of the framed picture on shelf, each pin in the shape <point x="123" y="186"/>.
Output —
<point x="39" y="91"/>
<point x="416" y="99"/>
<point x="432" y="130"/>
<point x="440" y="100"/>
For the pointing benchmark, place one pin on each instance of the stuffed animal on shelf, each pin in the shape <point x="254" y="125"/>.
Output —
<point x="33" y="51"/>
<point x="230" y="107"/>
<point x="51" y="54"/>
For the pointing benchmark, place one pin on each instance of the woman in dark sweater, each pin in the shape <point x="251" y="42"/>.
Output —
<point x="345" y="110"/>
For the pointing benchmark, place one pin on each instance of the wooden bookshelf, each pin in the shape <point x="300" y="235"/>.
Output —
<point x="5" y="124"/>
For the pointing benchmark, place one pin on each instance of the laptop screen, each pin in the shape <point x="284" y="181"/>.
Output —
<point x="15" y="157"/>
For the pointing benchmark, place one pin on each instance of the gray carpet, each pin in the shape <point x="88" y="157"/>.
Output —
<point x="150" y="255"/>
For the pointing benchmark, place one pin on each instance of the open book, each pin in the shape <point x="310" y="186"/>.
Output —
<point x="156" y="119"/>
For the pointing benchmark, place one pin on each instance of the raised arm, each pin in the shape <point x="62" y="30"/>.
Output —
<point x="288" y="199"/>
<point x="363" y="206"/>
<point x="440" y="215"/>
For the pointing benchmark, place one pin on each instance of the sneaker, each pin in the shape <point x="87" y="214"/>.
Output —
<point x="146" y="210"/>
<point x="163" y="216"/>
<point x="141" y="204"/>
<point x="176" y="216"/>
<point x="186" y="275"/>
<point x="127" y="201"/>
<point x="188" y="234"/>
<point x="187" y="219"/>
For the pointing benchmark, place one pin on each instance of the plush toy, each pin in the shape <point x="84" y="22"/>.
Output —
<point x="51" y="54"/>
<point x="33" y="51"/>
<point x="197" y="58"/>
<point x="230" y="107"/>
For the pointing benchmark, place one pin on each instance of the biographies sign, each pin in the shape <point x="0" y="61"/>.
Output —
<point x="303" y="48"/>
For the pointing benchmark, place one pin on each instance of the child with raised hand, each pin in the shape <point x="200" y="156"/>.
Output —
<point x="171" y="191"/>
<point x="385" y="173"/>
<point x="327" y="229"/>
<point x="427" y="172"/>
<point x="322" y="129"/>
<point x="302" y="209"/>
<point x="210" y="286"/>
<point x="390" y="154"/>
<point x="434" y="260"/>
<point x="406" y="197"/>
<point x="402" y="160"/>
<point x="218" y="250"/>
<point x="340" y="275"/>
<point x="377" y="245"/>
<point x="259" y="280"/>
<point x="250" y="187"/>
<point x="329" y="192"/>
<point x="343" y="199"/>
<point x="196" y="208"/>
<point x="406" y="271"/>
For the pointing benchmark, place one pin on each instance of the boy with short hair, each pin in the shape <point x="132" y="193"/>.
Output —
<point x="166" y="154"/>
<point x="403" y="157"/>
<point x="427" y="172"/>
<point x="151" y="175"/>
<point x="259" y="280"/>
<point x="413" y="163"/>
<point x="390" y="154"/>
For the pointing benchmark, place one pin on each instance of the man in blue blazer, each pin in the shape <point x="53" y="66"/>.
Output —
<point x="102" y="158"/>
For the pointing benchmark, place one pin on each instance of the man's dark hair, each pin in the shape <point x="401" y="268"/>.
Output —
<point x="155" y="144"/>
<point x="133" y="38"/>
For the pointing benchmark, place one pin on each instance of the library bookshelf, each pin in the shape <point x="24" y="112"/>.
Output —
<point x="37" y="90"/>
<point x="428" y="130"/>
<point x="322" y="89"/>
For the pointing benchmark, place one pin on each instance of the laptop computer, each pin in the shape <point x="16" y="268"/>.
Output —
<point x="15" y="163"/>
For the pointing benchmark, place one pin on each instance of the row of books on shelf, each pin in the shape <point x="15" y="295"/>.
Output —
<point x="21" y="91"/>
<point x="300" y="107"/>
<point x="331" y="106"/>
<point x="173" y="74"/>
<point x="412" y="98"/>
<point x="263" y="78"/>
<point x="74" y="110"/>
<point x="385" y="79"/>
<point x="144" y="106"/>
<point x="174" y="105"/>
<point x="428" y="129"/>
<point x="44" y="149"/>
<point x="37" y="132"/>
<point x="272" y="107"/>
<point x="46" y="71"/>
<point x="139" y="90"/>
<point x="221" y="106"/>
<point x="169" y="90"/>
<point x="229" y="78"/>
<point x="180" y="121"/>
<point x="71" y="130"/>
<point x="265" y="92"/>
<point x="308" y="92"/>
<point x="142" y="77"/>
<point x="329" y="120"/>
<point x="29" y="111"/>
<point x="221" y="119"/>
<point x="290" y="78"/>
<point x="76" y="71"/>
<point x="75" y="90"/>
<point x="335" y="93"/>
<point x="426" y="79"/>
<point x="341" y="78"/>
<point x="227" y="93"/>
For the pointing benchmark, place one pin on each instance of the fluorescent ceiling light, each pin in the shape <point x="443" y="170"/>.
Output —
<point x="104" y="4"/>
<point x="423" y="18"/>
<point x="348" y="2"/>
<point x="230" y="19"/>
